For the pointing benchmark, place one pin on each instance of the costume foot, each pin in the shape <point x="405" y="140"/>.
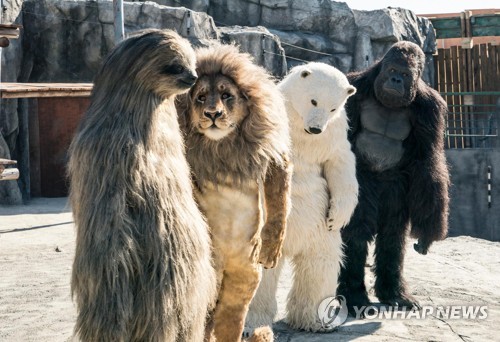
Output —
<point x="316" y="327"/>
<point x="401" y="301"/>
<point x="262" y="334"/>
<point x="355" y="299"/>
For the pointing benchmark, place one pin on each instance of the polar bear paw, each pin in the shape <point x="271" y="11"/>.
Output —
<point x="336" y="218"/>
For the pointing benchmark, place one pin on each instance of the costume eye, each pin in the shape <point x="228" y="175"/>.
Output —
<point x="393" y="70"/>
<point x="314" y="103"/>
<point x="201" y="98"/>
<point x="333" y="110"/>
<point x="174" y="69"/>
<point x="225" y="96"/>
<point x="405" y="74"/>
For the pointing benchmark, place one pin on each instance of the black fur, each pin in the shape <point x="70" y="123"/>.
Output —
<point x="411" y="195"/>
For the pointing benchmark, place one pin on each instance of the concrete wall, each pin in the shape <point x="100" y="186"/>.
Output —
<point x="469" y="211"/>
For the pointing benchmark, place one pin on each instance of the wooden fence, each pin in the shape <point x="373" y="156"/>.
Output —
<point x="469" y="80"/>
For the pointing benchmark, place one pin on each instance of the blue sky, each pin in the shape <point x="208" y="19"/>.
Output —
<point x="425" y="6"/>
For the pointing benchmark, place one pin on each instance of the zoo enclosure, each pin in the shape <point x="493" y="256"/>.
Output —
<point x="467" y="76"/>
<point x="469" y="81"/>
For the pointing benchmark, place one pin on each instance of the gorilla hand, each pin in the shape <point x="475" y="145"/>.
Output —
<point x="422" y="246"/>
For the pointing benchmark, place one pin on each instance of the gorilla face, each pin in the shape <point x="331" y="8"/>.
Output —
<point x="396" y="84"/>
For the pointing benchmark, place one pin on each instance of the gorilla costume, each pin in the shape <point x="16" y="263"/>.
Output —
<point x="397" y="129"/>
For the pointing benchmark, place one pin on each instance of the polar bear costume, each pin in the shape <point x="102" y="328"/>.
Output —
<point x="324" y="196"/>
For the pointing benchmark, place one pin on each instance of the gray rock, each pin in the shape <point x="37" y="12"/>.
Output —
<point x="351" y="39"/>
<point x="65" y="41"/>
<point x="235" y="12"/>
<point x="12" y="59"/>
<point x="304" y="46"/>
<point x="329" y="28"/>
<point x="78" y="35"/>
<point x="379" y="29"/>
<point x="261" y="44"/>
<point x="195" y="5"/>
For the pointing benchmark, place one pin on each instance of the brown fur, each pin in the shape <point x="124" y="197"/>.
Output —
<point x="237" y="141"/>
<point x="142" y="269"/>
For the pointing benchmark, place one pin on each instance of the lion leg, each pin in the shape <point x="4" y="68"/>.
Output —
<point x="315" y="278"/>
<point x="262" y="334"/>
<point x="239" y="283"/>
<point x="264" y="306"/>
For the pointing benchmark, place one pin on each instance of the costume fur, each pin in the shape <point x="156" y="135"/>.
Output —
<point x="324" y="195"/>
<point x="142" y="269"/>
<point x="237" y="143"/>
<point x="397" y="125"/>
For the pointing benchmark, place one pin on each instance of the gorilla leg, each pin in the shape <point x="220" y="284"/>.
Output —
<point x="390" y="287"/>
<point x="264" y="307"/>
<point x="352" y="275"/>
<point x="356" y="236"/>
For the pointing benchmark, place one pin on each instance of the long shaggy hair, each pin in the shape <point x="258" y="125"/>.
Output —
<point x="142" y="269"/>
<point x="261" y="134"/>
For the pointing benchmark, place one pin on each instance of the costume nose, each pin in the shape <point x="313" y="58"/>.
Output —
<point x="192" y="77"/>
<point x="314" y="130"/>
<point x="213" y="115"/>
<point x="395" y="79"/>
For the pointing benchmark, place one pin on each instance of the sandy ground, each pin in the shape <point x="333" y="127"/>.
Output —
<point x="37" y="246"/>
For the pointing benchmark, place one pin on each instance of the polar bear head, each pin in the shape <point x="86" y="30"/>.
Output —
<point x="318" y="93"/>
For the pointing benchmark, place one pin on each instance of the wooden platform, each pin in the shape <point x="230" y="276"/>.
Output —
<point x="8" y="174"/>
<point x="11" y="31"/>
<point x="25" y="90"/>
<point x="7" y="162"/>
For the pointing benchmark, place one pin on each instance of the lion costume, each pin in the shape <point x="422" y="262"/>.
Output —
<point x="237" y="143"/>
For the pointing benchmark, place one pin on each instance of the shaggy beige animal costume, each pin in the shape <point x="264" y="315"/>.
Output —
<point x="142" y="269"/>
<point x="237" y="143"/>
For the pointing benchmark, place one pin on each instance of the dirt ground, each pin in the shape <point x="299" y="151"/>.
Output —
<point x="37" y="246"/>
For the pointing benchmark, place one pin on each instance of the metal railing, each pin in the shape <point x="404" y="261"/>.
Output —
<point x="472" y="120"/>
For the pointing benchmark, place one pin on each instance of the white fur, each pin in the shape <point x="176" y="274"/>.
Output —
<point x="217" y="133"/>
<point x="324" y="196"/>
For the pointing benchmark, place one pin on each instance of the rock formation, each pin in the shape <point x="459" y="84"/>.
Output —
<point x="65" y="41"/>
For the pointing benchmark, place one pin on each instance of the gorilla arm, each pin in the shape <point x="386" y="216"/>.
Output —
<point x="428" y="173"/>
<point x="340" y="175"/>
<point x="277" y="200"/>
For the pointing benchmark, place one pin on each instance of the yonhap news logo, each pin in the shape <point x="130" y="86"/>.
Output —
<point x="473" y="312"/>
<point x="332" y="312"/>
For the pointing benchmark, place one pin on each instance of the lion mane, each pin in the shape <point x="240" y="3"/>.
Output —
<point x="261" y="136"/>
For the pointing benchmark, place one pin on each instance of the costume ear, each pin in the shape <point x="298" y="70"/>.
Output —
<point x="305" y="73"/>
<point x="351" y="90"/>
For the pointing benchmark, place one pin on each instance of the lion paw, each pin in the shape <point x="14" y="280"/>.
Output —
<point x="272" y="241"/>
<point x="269" y="256"/>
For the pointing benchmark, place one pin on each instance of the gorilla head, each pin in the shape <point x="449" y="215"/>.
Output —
<point x="400" y="71"/>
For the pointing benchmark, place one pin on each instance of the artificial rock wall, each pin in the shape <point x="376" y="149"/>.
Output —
<point x="66" y="40"/>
